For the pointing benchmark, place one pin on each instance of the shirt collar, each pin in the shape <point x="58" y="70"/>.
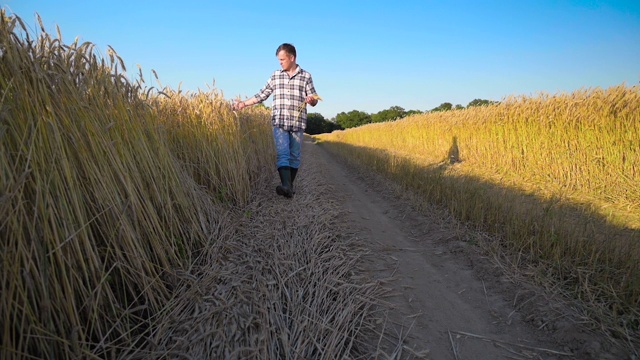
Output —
<point x="298" y="70"/>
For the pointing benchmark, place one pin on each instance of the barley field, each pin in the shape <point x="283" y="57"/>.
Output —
<point x="557" y="176"/>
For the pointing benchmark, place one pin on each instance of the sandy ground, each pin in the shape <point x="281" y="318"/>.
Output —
<point x="447" y="298"/>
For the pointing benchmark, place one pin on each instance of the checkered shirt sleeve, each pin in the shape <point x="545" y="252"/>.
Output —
<point x="289" y="93"/>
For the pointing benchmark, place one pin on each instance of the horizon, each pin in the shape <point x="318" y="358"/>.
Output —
<point x="365" y="57"/>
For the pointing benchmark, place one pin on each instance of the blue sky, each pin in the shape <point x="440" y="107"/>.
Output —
<point x="364" y="55"/>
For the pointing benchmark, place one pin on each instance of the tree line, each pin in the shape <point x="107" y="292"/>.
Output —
<point x="317" y="124"/>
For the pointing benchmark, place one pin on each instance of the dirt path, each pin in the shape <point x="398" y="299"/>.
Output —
<point x="346" y="269"/>
<point x="457" y="305"/>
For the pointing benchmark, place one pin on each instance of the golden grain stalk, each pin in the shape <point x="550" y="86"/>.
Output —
<point x="304" y="104"/>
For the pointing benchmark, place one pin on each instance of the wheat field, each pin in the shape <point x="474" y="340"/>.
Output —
<point x="117" y="196"/>
<point x="557" y="176"/>
<point x="107" y="186"/>
<point x="138" y="222"/>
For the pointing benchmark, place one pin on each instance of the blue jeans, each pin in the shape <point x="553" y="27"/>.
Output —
<point x="288" y="146"/>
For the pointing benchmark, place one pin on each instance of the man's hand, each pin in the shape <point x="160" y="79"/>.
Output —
<point x="311" y="100"/>
<point x="239" y="105"/>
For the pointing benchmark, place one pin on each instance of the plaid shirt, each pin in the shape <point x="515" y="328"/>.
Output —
<point x="289" y="94"/>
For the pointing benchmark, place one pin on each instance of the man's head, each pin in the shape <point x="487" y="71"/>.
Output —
<point x="286" y="54"/>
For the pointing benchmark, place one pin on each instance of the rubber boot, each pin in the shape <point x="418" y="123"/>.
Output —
<point x="294" y="172"/>
<point x="285" y="179"/>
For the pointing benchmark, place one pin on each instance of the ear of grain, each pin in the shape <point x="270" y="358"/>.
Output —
<point x="304" y="104"/>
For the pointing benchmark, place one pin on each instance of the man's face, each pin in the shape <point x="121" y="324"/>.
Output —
<point x="286" y="60"/>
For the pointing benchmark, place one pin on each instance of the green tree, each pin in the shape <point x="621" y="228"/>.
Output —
<point x="352" y="119"/>
<point x="317" y="124"/>
<point x="392" y="113"/>
<point x="330" y="126"/>
<point x="443" y="107"/>
<point x="480" y="102"/>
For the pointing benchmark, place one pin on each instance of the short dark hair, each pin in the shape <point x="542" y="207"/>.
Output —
<point x="288" y="48"/>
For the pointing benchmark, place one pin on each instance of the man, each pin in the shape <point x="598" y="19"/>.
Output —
<point x="291" y="87"/>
